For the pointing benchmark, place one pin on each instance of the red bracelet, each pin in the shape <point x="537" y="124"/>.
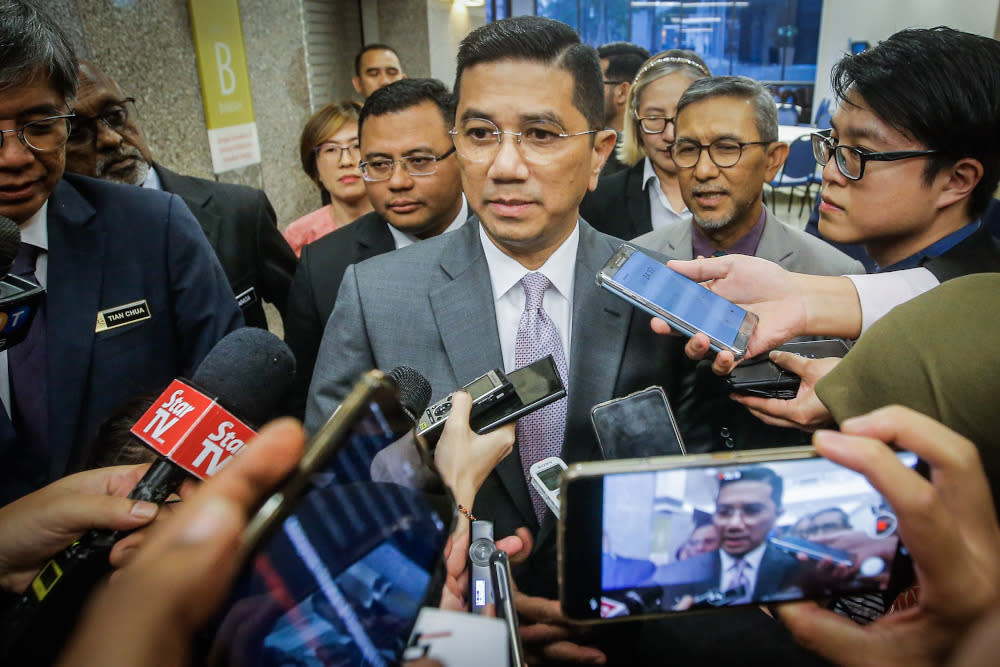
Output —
<point x="467" y="512"/>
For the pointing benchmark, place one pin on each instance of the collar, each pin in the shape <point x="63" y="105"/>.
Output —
<point x="402" y="239"/>
<point x="506" y="272"/>
<point x="152" y="179"/>
<point x="752" y="557"/>
<point x="745" y="245"/>
<point x="939" y="247"/>
<point x="35" y="231"/>
<point x="648" y="175"/>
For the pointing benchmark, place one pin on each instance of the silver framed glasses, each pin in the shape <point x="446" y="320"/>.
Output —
<point x="851" y="160"/>
<point x="83" y="129"/>
<point x="331" y="150"/>
<point x="44" y="134"/>
<point x="382" y="168"/>
<point x="723" y="152"/>
<point x="479" y="139"/>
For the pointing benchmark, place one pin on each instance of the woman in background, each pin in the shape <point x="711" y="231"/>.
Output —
<point x="330" y="154"/>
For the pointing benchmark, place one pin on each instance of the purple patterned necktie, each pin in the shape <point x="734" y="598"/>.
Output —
<point x="539" y="434"/>
<point x="28" y="367"/>
<point x="739" y="579"/>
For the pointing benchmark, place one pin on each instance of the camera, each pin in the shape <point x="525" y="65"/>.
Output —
<point x="486" y="390"/>
<point x="481" y="550"/>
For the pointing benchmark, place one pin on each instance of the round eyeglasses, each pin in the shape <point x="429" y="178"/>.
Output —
<point x="723" y="152"/>
<point x="479" y="139"/>
<point x="851" y="160"/>
<point x="655" y="124"/>
<point x="44" y="134"/>
<point x="382" y="169"/>
<point x="83" y="129"/>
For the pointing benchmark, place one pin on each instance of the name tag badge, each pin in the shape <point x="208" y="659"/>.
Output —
<point x="247" y="297"/>
<point x="119" y="316"/>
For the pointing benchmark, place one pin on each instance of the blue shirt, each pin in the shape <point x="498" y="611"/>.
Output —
<point x="939" y="247"/>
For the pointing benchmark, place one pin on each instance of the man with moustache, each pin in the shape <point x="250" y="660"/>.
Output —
<point x="413" y="183"/>
<point x="106" y="142"/>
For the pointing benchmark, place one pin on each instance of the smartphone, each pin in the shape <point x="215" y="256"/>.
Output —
<point x="338" y="565"/>
<point x="685" y="305"/>
<point x="504" y="595"/>
<point x="762" y="377"/>
<point x="652" y="537"/>
<point x="545" y="476"/>
<point x="637" y="426"/>
<point x="535" y="386"/>
<point x="488" y="389"/>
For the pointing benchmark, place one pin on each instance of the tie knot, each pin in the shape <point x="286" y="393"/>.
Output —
<point x="24" y="263"/>
<point x="534" y="285"/>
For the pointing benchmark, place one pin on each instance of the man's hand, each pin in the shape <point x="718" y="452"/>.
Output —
<point x="36" y="527"/>
<point x="805" y="411"/>
<point x="949" y="525"/>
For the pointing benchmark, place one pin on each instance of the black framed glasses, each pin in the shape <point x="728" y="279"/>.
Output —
<point x="655" y="124"/>
<point x="382" y="169"/>
<point x="612" y="83"/>
<point x="478" y="140"/>
<point x="851" y="160"/>
<point x="117" y="116"/>
<point x="44" y="134"/>
<point x="723" y="152"/>
<point x="331" y="150"/>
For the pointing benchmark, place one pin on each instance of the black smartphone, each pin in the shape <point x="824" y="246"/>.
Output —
<point x="338" y="565"/>
<point x="488" y="389"/>
<point x="504" y="596"/>
<point x="685" y="305"/>
<point x="660" y="536"/>
<point x="637" y="426"/>
<point x="535" y="386"/>
<point x="762" y="377"/>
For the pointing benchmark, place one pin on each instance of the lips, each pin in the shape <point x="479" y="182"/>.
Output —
<point x="509" y="207"/>
<point x="828" y="206"/>
<point x="404" y="206"/>
<point x="709" y="198"/>
<point x="16" y="191"/>
<point x="349" y="178"/>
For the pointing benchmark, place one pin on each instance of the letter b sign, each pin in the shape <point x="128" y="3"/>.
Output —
<point x="224" y="62"/>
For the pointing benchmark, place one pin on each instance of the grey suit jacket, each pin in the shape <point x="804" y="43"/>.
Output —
<point x="430" y="306"/>
<point x="792" y="248"/>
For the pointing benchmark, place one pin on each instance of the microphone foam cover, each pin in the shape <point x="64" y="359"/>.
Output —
<point x="10" y="243"/>
<point x="250" y="370"/>
<point x="414" y="389"/>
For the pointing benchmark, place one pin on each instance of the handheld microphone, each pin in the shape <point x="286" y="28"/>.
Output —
<point x="248" y="371"/>
<point x="413" y="390"/>
<point x="19" y="298"/>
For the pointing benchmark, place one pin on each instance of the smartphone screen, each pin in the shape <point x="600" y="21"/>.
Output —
<point x="637" y="426"/>
<point x="723" y="535"/>
<point x="342" y="578"/>
<point x="696" y="307"/>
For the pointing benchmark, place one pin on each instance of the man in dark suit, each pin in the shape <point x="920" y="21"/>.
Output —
<point x="746" y="508"/>
<point x="134" y="296"/>
<point x="407" y="119"/>
<point x="106" y="142"/>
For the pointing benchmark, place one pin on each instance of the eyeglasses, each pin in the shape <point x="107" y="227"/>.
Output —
<point x="851" y="160"/>
<point x="723" y="152"/>
<point x="330" y="150"/>
<point x="44" y="134"/>
<point x="612" y="83"/>
<point x="478" y="140"/>
<point x="654" y="124"/>
<point x="83" y="130"/>
<point x="382" y="169"/>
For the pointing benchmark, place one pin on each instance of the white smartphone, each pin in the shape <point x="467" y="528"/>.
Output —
<point x="685" y="305"/>
<point x="545" y="476"/>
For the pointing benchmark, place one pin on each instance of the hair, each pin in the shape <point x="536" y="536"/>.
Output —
<point x="114" y="444"/>
<point x="757" y="474"/>
<point x="541" y="40"/>
<point x="740" y="87"/>
<point x="406" y="93"/>
<point x="940" y="87"/>
<point x="624" y="59"/>
<point x="321" y="125"/>
<point x="662" y="64"/>
<point x="31" y="42"/>
<point x="841" y="514"/>
<point x="371" y="47"/>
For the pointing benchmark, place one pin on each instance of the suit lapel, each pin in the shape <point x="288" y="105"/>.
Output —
<point x="637" y="201"/>
<point x="462" y="305"/>
<point x="374" y="237"/>
<point x="75" y="277"/>
<point x="197" y="199"/>
<point x="774" y="244"/>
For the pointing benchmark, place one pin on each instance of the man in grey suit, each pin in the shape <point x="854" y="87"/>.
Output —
<point x="727" y="148"/>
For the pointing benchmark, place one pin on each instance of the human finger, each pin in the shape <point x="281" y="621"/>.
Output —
<point x="539" y="609"/>
<point x="826" y="633"/>
<point x="564" y="651"/>
<point x="517" y="546"/>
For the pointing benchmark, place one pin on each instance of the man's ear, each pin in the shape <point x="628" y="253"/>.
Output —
<point x="356" y="80"/>
<point x="777" y="153"/>
<point x="621" y="93"/>
<point x="604" y="143"/>
<point x="958" y="181"/>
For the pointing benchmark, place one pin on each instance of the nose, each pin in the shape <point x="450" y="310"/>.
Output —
<point x="14" y="154"/>
<point x="400" y="179"/>
<point x="704" y="168"/>
<point x="107" y="139"/>
<point x="346" y="158"/>
<point x="831" y="173"/>
<point x="508" y="164"/>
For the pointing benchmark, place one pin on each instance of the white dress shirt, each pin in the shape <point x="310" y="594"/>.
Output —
<point x="752" y="570"/>
<point x="661" y="213"/>
<point x="402" y="239"/>
<point x="508" y="295"/>
<point x="881" y="292"/>
<point x="36" y="232"/>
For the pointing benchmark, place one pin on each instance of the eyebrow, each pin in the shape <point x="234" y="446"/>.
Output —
<point x="860" y="132"/>
<point x="539" y="116"/>
<point x="45" y="108"/>
<point x="419" y="150"/>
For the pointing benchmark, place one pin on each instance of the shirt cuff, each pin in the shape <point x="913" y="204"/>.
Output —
<point x="881" y="292"/>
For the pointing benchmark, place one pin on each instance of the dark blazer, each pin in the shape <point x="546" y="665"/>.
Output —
<point x="242" y="229"/>
<point x="314" y="291"/>
<point x="111" y="245"/>
<point x="702" y="573"/>
<point x="980" y="253"/>
<point x="430" y="306"/>
<point x="619" y="206"/>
